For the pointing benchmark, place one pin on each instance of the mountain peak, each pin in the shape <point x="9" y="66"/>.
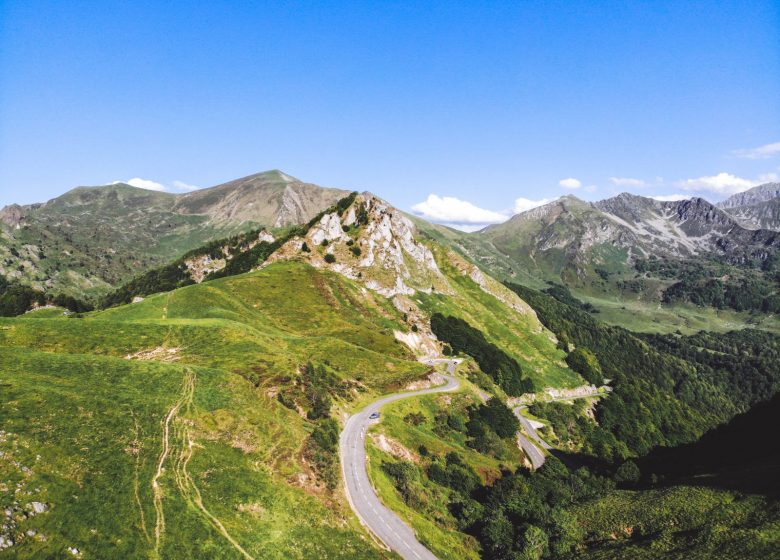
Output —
<point x="756" y="195"/>
<point x="370" y="241"/>
<point x="274" y="175"/>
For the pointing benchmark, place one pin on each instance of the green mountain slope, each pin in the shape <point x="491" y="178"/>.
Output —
<point x="92" y="239"/>
<point x="87" y="403"/>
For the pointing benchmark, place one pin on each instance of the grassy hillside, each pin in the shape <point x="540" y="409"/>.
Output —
<point x="86" y="403"/>
<point x="182" y="425"/>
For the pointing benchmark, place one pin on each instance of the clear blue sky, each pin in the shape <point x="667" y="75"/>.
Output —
<point x="484" y="102"/>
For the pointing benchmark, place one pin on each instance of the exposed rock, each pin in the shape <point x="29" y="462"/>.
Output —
<point x="159" y="354"/>
<point x="39" y="507"/>
<point x="12" y="215"/>
<point x="432" y="380"/>
<point x="327" y="229"/>
<point x="394" y="448"/>
<point x="201" y="266"/>
<point x="382" y="252"/>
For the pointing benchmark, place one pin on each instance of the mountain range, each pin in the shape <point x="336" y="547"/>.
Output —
<point x="85" y="242"/>
<point x="197" y="413"/>
<point x="91" y="239"/>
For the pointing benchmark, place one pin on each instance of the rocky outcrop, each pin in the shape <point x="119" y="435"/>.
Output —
<point x="12" y="215"/>
<point x="370" y="242"/>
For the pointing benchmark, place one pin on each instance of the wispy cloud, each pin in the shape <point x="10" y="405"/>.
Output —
<point x="148" y="184"/>
<point x="671" y="197"/>
<point x="524" y="204"/>
<point x="145" y="184"/>
<point x="722" y="183"/>
<point x="762" y="152"/>
<point x="570" y="183"/>
<point x="182" y="186"/>
<point x="627" y="182"/>
<point x="456" y="213"/>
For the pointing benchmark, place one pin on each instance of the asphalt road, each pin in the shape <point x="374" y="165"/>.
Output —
<point x="530" y="447"/>
<point x="380" y="520"/>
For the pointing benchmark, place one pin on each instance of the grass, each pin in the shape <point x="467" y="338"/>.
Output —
<point x="85" y="432"/>
<point x="89" y="424"/>
<point x="87" y="401"/>
<point x="518" y="332"/>
<point x="640" y="316"/>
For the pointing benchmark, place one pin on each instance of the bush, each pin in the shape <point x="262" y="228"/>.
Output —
<point x="498" y="416"/>
<point x="455" y="474"/>
<point x="406" y="478"/>
<point x="628" y="473"/>
<point x="584" y="362"/>
<point x="329" y="258"/>
<point x="326" y="434"/>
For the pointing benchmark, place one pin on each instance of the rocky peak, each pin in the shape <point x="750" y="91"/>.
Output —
<point x="756" y="195"/>
<point x="697" y="217"/>
<point x="372" y="242"/>
<point x="12" y="215"/>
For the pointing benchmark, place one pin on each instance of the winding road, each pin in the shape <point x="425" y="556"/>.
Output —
<point x="380" y="520"/>
<point x="530" y="447"/>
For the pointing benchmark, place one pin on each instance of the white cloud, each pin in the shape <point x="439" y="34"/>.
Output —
<point x="591" y="188"/>
<point x="722" y="183"/>
<point x="523" y="204"/>
<point x="670" y="197"/>
<point x="762" y="152"/>
<point x="182" y="186"/>
<point x="769" y="178"/>
<point x="457" y="213"/>
<point x="570" y="183"/>
<point x="627" y="182"/>
<point x="145" y="184"/>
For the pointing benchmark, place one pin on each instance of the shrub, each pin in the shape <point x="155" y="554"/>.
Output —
<point x="628" y="473"/>
<point x="584" y="362"/>
<point x="329" y="258"/>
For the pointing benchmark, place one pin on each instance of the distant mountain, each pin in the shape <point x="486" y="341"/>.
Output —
<point x="272" y="199"/>
<point x="569" y="238"/>
<point x="92" y="239"/>
<point x="756" y="195"/>
<point x="631" y="247"/>
<point x="757" y="208"/>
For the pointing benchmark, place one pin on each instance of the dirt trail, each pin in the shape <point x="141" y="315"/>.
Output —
<point x="138" y="465"/>
<point x="159" y="527"/>
<point x="177" y="449"/>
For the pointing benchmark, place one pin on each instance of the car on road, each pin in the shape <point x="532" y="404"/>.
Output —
<point x="373" y="416"/>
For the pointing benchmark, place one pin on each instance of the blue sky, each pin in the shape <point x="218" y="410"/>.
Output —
<point x="457" y="109"/>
